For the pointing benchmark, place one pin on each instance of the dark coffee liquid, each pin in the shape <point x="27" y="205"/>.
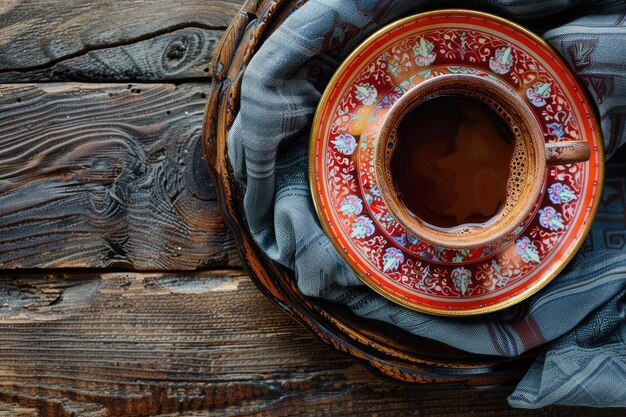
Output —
<point x="452" y="162"/>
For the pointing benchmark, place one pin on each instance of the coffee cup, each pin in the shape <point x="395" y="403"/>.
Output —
<point x="461" y="161"/>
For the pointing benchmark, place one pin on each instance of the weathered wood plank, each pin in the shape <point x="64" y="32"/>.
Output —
<point x="132" y="344"/>
<point x="16" y="410"/>
<point x="121" y="40"/>
<point x="107" y="176"/>
<point x="184" y="54"/>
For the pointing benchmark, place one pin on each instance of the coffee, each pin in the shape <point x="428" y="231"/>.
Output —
<point x="452" y="162"/>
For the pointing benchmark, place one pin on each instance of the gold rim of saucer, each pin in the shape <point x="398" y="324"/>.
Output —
<point x="537" y="285"/>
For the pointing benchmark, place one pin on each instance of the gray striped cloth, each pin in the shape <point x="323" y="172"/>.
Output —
<point x="579" y="317"/>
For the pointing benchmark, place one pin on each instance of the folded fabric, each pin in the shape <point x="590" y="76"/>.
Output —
<point x="582" y="312"/>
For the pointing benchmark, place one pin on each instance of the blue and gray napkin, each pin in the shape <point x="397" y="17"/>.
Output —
<point x="580" y="317"/>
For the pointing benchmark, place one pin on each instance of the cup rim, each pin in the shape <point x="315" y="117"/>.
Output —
<point x="503" y="226"/>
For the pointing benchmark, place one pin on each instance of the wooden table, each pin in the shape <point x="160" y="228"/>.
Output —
<point x="122" y="293"/>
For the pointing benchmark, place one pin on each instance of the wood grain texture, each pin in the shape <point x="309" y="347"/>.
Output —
<point x="97" y="175"/>
<point x="182" y="55"/>
<point x="139" y="344"/>
<point x="92" y="40"/>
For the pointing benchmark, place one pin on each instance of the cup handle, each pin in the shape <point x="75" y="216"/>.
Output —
<point x="559" y="153"/>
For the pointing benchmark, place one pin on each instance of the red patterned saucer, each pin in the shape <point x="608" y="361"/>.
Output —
<point x="384" y="254"/>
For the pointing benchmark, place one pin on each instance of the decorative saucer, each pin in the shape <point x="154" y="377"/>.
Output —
<point x="384" y="254"/>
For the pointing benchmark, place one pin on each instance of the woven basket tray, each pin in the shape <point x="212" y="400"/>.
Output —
<point x="385" y="349"/>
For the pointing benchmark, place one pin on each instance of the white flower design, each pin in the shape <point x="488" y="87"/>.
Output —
<point x="550" y="218"/>
<point x="345" y="143"/>
<point x="462" y="279"/>
<point x="366" y="93"/>
<point x="424" y="54"/>
<point x="362" y="227"/>
<point x="352" y="205"/>
<point x="502" y="61"/>
<point x="560" y="193"/>
<point x="527" y="250"/>
<point x="538" y="93"/>
<point x="392" y="259"/>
